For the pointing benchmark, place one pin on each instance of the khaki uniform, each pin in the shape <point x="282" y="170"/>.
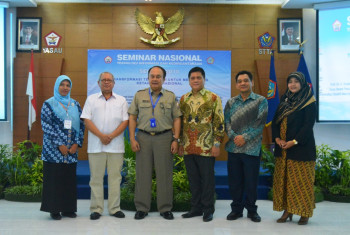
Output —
<point x="154" y="149"/>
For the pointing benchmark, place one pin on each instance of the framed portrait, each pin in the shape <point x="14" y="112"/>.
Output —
<point x="290" y="34"/>
<point x="28" y="34"/>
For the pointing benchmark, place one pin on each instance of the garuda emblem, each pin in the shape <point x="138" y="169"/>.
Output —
<point x="159" y="28"/>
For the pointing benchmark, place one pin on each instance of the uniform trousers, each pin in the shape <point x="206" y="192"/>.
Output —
<point x="200" y="172"/>
<point x="98" y="163"/>
<point x="154" y="150"/>
<point x="243" y="174"/>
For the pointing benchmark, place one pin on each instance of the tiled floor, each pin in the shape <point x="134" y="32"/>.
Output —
<point x="26" y="219"/>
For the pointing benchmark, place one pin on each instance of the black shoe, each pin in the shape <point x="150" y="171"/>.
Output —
<point x="234" y="215"/>
<point x="140" y="215"/>
<point x="191" y="214"/>
<point x="207" y="217"/>
<point x="56" y="216"/>
<point x="95" y="216"/>
<point x="167" y="215"/>
<point x="69" y="214"/>
<point x="119" y="214"/>
<point x="254" y="216"/>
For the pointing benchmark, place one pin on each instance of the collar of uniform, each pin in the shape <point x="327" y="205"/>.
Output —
<point x="161" y="91"/>
<point x="252" y="96"/>
<point x="202" y="92"/>
<point x="101" y="95"/>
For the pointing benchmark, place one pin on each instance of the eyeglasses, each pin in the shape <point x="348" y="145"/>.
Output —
<point x="106" y="80"/>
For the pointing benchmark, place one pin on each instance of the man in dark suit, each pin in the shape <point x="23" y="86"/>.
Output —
<point x="28" y="37"/>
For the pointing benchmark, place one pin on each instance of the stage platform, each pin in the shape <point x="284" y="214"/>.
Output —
<point x="18" y="218"/>
<point x="265" y="180"/>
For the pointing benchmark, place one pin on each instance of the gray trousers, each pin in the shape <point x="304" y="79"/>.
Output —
<point x="155" y="150"/>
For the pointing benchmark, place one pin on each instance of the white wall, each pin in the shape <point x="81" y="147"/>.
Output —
<point x="335" y="135"/>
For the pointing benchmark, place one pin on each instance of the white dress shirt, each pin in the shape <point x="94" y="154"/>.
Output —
<point x="106" y="115"/>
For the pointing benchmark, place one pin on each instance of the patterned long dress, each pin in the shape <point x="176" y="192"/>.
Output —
<point x="293" y="183"/>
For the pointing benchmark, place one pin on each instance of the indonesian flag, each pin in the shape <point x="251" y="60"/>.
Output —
<point x="31" y="94"/>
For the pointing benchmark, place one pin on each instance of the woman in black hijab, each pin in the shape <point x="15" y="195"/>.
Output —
<point x="295" y="151"/>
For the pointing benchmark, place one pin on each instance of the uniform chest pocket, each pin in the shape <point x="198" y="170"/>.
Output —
<point x="165" y="108"/>
<point x="145" y="108"/>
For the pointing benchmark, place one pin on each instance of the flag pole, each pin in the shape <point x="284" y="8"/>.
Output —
<point x="28" y="134"/>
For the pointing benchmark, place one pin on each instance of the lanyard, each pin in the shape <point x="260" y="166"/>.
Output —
<point x="65" y="107"/>
<point x="155" y="104"/>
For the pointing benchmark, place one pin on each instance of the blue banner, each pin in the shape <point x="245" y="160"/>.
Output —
<point x="130" y="68"/>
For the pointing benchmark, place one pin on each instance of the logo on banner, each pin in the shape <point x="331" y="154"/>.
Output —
<point x="272" y="90"/>
<point x="336" y="26"/>
<point x="159" y="28"/>
<point x="108" y="59"/>
<point x="52" y="41"/>
<point x="210" y="60"/>
<point x="265" y="43"/>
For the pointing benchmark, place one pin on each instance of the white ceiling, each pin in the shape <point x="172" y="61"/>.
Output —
<point x="284" y="3"/>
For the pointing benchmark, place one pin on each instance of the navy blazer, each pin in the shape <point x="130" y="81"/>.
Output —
<point x="299" y="127"/>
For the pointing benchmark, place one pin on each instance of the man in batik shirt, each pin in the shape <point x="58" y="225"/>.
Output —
<point x="245" y="117"/>
<point x="201" y="135"/>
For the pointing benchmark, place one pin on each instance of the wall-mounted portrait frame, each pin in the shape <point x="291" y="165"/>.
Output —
<point x="290" y="34"/>
<point x="28" y="34"/>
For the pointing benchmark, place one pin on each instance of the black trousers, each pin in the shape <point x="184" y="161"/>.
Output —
<point x="59" y="188"/>
<point x="243" y="175"/>
<point x="200" y="172"/>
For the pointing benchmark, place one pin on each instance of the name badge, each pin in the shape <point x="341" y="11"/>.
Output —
<point x="67" y="124"/>
<point x="152" y="122"/>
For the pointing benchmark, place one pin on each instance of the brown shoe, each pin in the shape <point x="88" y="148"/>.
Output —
<point x="303" y="220"/>
<point x="284" y="217"/>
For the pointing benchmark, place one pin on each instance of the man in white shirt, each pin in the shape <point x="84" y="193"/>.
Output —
<point x="106" y="118"/>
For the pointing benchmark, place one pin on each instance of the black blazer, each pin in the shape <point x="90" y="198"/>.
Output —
<point x="299" y="127"/>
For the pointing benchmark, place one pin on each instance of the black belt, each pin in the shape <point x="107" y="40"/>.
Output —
<point x="154" y="133"/>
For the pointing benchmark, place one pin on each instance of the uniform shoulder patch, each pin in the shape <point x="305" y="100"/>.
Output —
<point x="142" y="90"/>
<point x="169" y="91"/>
